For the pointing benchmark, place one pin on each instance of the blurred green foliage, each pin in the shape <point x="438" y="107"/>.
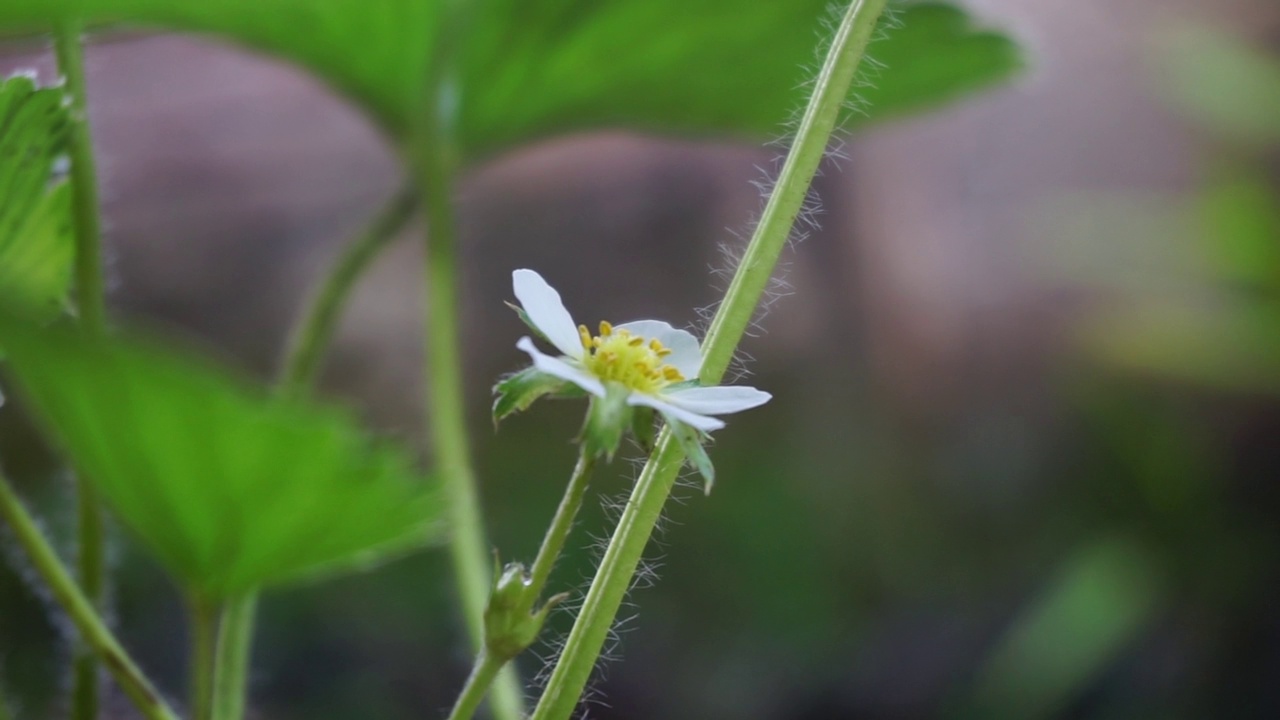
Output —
<point x="231" y="490"/>
<point x="1214" y="319"/>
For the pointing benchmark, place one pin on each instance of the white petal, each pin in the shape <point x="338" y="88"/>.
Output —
<point x="701" y="422"/>
<point x="717" y="400"/>
<point x="561" y="369"/>
<point x="685" y="355"/>
<point x="545" y="309"/>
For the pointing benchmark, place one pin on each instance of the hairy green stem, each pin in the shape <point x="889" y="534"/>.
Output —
<point x="91" y="305"/>
<point x="561" y="524"/>
<point x="314" y="333"/>
<point x="231" y="659"/>
<point x="618" y="566"/>
<point x="203" y="638"/>
<point x="489" y="663"/>
<point x="482" y="676"/>
<point x="93" y="629"/>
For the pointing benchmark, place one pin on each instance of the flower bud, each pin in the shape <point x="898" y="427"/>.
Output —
<point x="510" y="626"/>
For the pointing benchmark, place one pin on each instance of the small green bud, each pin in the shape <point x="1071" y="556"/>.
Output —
<point x="510" y="625"/>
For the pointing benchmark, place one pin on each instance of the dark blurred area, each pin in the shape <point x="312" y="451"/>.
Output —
<point x="1023" y="455"/>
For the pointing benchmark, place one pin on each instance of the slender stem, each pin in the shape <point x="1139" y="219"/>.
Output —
<point x="84" y="183"/>
<point x="90" y="297"/>
<point x="77" y="605"/>
<point x="203" y="617"/>
<point x="467" y="544"/>
<point x="231" y="660"/>
<point x="433" y="155"/>
<point x="487" y="663"/>
<point x="638" y="519"/>
<point x="313" y="335"/>
<point x="561" y="524"/>
<point x="482" y="676"/>
<point x="444" y="394"/>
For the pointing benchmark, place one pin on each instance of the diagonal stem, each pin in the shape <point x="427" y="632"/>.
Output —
<point x="618" y="566"/>
<point x="314" y="333"/>
<point x="561" y="524"/>
<point x="488" y="663"/>
<point x="92" y="628"/>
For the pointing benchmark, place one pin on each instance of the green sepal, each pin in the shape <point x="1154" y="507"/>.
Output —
<point x="608" y="418"/>
<point x="643" y="427"/>
<point x="517" y="392"/>
<point x="510" y="622"/>
<point x="524" y="318"/>
<point x="691" y="440"/>
<point x="683" y="385"/>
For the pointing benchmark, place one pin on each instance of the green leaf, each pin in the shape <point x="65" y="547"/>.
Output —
<point x="230" y="489"/>
<point x="517" y="392"/>
<point x="1092" y="611"/>
<point x="691" y="443"/>
<point x="534" y="68"/>
<point x="37" y="247"/>
<point x="933" y="54"/>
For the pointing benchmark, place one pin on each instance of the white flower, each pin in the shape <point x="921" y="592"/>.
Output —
<point x="651" y="359"/>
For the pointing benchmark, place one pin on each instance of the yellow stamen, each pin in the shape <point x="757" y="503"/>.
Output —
<point x="634" y="361"/>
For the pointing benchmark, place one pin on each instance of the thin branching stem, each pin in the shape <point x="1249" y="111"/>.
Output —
<point x="481" y="678"/>
<point x="488" y="664"/>
<point x="314" y="333"/>
<point x="558" y="531"/>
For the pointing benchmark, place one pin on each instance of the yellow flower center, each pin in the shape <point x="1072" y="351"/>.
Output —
<point x="628" y="359"/>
